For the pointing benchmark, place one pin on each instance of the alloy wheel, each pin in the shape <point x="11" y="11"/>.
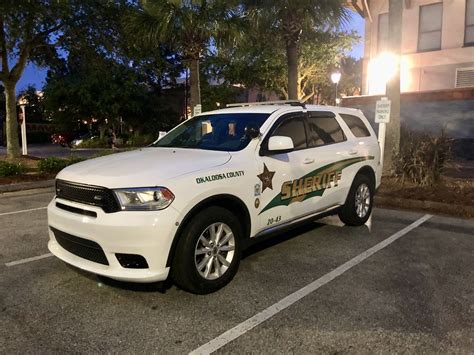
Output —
<point x="362" y="200"/>
<point x="214" y="251"/>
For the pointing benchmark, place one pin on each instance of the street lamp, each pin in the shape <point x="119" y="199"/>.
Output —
<point x="335" y="78"/>
<point x="23" y="102"/>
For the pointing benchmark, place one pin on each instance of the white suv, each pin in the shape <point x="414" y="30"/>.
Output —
<point x="186" y="206"/>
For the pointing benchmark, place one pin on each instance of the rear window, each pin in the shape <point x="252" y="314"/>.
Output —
<point x="355" y="124"/>
<point x="324" y="130"/>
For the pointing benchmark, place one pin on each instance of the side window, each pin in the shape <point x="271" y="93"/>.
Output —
<point x="324" y="129"/>
<point x="355" y="124"/>
<point x="293" y="128"/>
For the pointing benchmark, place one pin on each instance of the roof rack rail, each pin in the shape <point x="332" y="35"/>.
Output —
<point x="261" y="103"/>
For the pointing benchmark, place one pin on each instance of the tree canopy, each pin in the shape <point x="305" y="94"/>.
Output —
<point x="126" y="61"/>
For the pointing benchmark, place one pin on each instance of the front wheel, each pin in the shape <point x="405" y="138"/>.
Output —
<point x="358" y="207"/>
<point x="208" y="252"/>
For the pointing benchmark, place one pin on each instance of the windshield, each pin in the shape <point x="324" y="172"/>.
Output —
<point x="224" y="132"/>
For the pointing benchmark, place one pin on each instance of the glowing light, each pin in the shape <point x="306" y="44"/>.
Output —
<point x="381" y="70"/>
<point x="335" y="77"/>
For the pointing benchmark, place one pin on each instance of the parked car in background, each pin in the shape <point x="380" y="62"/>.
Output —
<point x="63" y="139"/>
<point x="81" y="139"/>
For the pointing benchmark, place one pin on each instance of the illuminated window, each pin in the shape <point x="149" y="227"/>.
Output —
<point x="382" y="34"/>
<point x="429" y="34"/>
<point x="469" y="32"/>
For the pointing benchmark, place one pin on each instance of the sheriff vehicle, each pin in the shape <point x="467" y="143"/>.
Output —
<point x="186" y="206"/>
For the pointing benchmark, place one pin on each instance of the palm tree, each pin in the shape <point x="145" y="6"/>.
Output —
<point x="187" y="26"/>
<point x="293" y="19"/>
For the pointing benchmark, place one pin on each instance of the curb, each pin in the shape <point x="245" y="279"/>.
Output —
<point x="26" y="186"/>
<point x="427" y="206"/>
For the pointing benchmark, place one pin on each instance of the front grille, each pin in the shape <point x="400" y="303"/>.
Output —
<point x="88" y="194"/>
<point x="81" y="247"/>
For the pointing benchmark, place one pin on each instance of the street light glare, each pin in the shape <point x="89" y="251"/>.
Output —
<point x="381" y="70"/>
<point x="22" y="101"/>
<point x="335" y="77"/>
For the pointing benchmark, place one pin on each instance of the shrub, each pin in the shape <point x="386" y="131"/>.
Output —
<point x="422" y="158"/>
<point x="54" y="165"/>
<point x="140" y="140"/>
<point x="73" y="160"/>
<point x="51" y="165"/>
<point x="11" y="168"/>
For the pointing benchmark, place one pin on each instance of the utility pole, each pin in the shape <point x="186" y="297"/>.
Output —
<point x="392" y="143"/>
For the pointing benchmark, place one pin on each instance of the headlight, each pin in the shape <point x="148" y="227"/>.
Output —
<point x="144" y="199"/>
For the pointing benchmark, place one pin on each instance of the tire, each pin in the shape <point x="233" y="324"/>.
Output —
<point x="358" y="207"/>
<point x="198" y="264"/>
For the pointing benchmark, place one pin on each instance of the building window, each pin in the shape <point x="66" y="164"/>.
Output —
<point x="469" y="32"/>
<point x="429" y="34"/>
<point x="382" y="35"/>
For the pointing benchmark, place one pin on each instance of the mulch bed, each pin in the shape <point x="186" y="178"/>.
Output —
<point x="451" y="197"/>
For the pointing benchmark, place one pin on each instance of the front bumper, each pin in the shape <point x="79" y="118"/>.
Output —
<point x="149" y="234"/>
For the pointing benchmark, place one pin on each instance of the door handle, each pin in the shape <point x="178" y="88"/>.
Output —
<point x="308" y="161"/>
<point x="353" y="152"/>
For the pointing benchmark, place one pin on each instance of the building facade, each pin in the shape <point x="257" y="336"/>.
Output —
<point x="437" y="46"/>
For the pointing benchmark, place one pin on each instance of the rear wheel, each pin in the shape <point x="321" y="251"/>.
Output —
<point x="358" y="207"/>
<point x="208" y="252"/>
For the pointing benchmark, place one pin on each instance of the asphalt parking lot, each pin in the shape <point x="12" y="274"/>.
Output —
<point x="403" y="284"/>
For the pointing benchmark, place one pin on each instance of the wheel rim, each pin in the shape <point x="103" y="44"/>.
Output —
<point x="362" y="200"/>
<point x="214" y="251"/>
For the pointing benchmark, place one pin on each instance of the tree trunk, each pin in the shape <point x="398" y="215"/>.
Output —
<point x="292" y="59"/>
<point x="13" y="146"/>
<point x="195" y="89"/>
<point x="392" y="139"/>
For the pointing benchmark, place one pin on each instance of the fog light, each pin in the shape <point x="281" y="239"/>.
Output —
<point x="132" y="261"/>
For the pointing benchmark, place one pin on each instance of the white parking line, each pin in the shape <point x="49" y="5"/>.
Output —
<point x="23" y="211"/>
<point x="269" y="312"/>
<point x="27" y="260"/>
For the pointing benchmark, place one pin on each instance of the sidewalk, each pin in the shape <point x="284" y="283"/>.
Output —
<point x="26" y="186"/>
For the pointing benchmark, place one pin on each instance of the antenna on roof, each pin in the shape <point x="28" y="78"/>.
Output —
<point x="262" y="103"/>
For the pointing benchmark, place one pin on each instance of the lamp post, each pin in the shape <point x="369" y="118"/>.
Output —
<point x="335" y="78"/>
<point x="23" y="102"/>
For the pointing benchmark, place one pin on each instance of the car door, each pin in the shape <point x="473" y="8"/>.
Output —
<point x="278" y="190"/>
<point x="333" y="154"/>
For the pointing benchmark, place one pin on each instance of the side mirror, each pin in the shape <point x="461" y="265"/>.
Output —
<point x="280" y="144"/>
<point x="252" y="131"/>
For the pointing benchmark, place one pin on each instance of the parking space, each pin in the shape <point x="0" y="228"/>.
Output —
<point x="414" y="295"/>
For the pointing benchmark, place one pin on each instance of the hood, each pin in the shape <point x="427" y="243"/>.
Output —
<point x="143" y="167"/>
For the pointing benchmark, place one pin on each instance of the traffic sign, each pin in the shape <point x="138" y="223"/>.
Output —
<point x="382" y="110"/>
